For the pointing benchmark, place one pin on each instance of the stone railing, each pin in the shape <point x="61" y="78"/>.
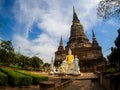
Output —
<point x="111" y="81"/>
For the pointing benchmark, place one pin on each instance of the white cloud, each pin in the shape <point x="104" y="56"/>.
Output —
<point x="87" y="12"/>
<point x="54" y="18"/>
<point x="22" y="42"/>
<point x="54" y="24"/>
<point x="42" y="45"/>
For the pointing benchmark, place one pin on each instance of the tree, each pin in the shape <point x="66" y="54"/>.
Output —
<point x="7" y="46"/>
<point x="46" y="66"/>
<point x="6" y="51"/>
<point x="114" y="56"/>
<point x="117" y="41"/>
<point x="109" y="8"/>
<point x="24" y="61"/>
<point x="36" y="62"/>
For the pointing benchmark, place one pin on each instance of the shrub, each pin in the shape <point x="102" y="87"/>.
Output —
<point x="14" y="66"/>
<point x="3" y="79"/>
<point x="15" y="78"/>
<point x="36" y="78"/>
<point x="111" y="70"/>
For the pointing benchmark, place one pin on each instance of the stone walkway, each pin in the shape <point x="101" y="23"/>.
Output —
<point x="32" y="87"/>
<point x="83" y="85"/>
<point x="81" y="82"/>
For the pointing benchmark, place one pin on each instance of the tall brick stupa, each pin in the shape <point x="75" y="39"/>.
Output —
<point x="88" y="53"/>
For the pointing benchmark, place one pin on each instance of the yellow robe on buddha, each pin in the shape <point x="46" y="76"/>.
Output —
<point x="69" y="59"/>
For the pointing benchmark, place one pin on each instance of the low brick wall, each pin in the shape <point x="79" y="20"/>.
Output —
<point x="111" y="81"/>
<point x="107" y="82"/>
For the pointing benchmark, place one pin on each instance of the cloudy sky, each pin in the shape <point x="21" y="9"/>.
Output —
<point x="35" y="26"/>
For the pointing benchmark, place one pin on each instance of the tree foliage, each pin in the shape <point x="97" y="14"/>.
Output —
<point x="24" y="61"/>
<point x="46" y="65"/>
<point x="109" y="8"/>
<point x="6" y="51"/>
<point x="114" y="56"/>
<point x="7" y="46"/>
<point x="10" y="58"/>
<point x="36" y="62"/>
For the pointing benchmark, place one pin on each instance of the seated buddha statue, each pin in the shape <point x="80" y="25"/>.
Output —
<point x="70" y="58"/>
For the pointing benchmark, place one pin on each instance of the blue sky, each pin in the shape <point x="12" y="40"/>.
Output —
<point x="37" y="25"/>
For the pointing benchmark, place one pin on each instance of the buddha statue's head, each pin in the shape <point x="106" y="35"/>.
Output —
<point x="75" y="56"/>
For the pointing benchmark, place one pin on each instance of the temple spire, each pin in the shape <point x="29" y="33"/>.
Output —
<point x="61" y="46"/>
<point x="94" y="41"/>
<point x="93" y="35"/>
<point x="75" y="18"/>
<point x="61" y="42"/>
<point x="73" y="10"/>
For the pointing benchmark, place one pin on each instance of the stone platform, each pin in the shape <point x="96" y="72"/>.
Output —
<point x="84" y="76"/>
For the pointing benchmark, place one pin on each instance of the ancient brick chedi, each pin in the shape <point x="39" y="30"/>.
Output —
<point x="89" y="54"/>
